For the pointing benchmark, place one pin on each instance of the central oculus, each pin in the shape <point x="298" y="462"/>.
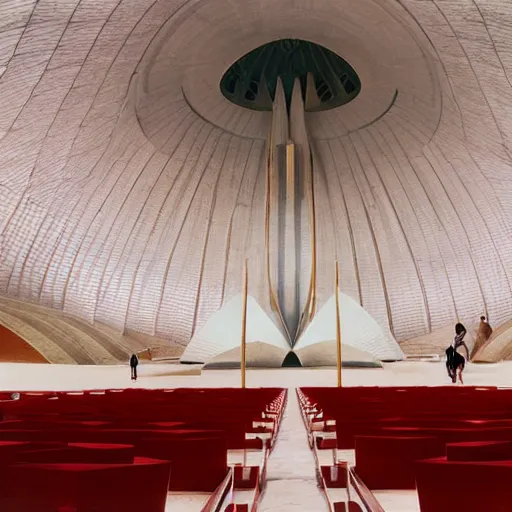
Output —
<point x="251" y="81"/>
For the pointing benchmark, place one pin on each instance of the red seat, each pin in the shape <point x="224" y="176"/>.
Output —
<point x="469" y="486"/>
<point x="246" y="477"/>
<point x="9" y="450"/>
<point x="479" y="451"/>
<point x="391" y="428"/>
<point x="87" y="487"/>
<point x="198" y="464"/>
<point x="192" y="428"/>
<point x="388" y="462"/>
<point x="85" y="453"/>
<point x="334" y="476"/>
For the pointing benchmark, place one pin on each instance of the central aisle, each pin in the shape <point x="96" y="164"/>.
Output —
<point x="291" y="480"/>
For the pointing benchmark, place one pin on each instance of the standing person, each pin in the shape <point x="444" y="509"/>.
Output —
<point x="454" y="363"/>
<point x="485" y="328"/>
<point x="484" y="333"/>
<point x="134" y="362"/>
<point x="458" y="340"/>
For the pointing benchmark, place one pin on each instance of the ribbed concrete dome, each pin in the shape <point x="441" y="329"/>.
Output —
<point x="132" y="189"/>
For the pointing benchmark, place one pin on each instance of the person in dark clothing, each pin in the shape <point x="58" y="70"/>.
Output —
<point x="458" y="340"/>
<point x="454" y="363"/>
<point x="134" y="361"/>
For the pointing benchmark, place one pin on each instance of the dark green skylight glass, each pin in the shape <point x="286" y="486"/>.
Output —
<point x="251" y="81"/>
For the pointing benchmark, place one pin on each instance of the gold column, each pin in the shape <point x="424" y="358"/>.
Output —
<point x="244" y="326"/>
<point x="338" y="323"/>
<point x="290" y="173"/>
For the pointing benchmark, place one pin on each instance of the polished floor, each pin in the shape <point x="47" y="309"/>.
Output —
<point x="72" y="377"/>
<point x="291" y="471"/>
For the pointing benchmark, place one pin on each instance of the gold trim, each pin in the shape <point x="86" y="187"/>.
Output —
<point x="290" y="171"/>
<point x="244" y="326"/>
<point x="311" y="305"/>
<point x="338" y="322"/>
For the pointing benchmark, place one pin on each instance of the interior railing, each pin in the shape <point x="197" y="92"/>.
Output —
<point x="217" y="499"/>
<point x="358" y="492"/>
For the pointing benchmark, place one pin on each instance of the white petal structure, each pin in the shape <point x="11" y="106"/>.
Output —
<point x="223" y="330"/>
<point x="359" y="330"/>
<point x="132" y="189"/>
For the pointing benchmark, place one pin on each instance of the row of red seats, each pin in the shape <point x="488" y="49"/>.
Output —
<point x="395" y="411"/>
<point x="427" y="438"/>
<point x="123" y="450"/>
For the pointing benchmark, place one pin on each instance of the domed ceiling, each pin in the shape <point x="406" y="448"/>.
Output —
<point x="134" y="176"/>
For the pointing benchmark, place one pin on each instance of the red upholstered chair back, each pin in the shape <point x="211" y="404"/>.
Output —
<point x="252" y="474"/>
<point x="479" y="451"/>
<point x="334" y="476"/>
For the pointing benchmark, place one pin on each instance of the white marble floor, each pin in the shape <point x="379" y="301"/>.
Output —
<point x="21" y="376"/>
<point x="398" y="501"/>
<point x="291" y="478"/>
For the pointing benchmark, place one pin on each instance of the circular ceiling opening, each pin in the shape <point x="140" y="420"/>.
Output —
<point x="251" y="81"/>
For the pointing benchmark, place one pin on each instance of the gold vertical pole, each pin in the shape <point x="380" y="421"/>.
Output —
<point x="244" y="326"/>
<point x="338" y="324"/>
<point x="290" y="170"/>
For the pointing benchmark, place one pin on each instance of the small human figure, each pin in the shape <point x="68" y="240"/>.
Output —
<point x="484" y="333"/>
<point x="134" y="361"/>
<point x="484" y="328"/>
<point x="455" y="363"/>
<point x="458" y="340"/>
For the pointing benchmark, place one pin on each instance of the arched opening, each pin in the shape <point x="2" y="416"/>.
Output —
<point x="251" y="81"/>
<point x="291" y="361"/>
